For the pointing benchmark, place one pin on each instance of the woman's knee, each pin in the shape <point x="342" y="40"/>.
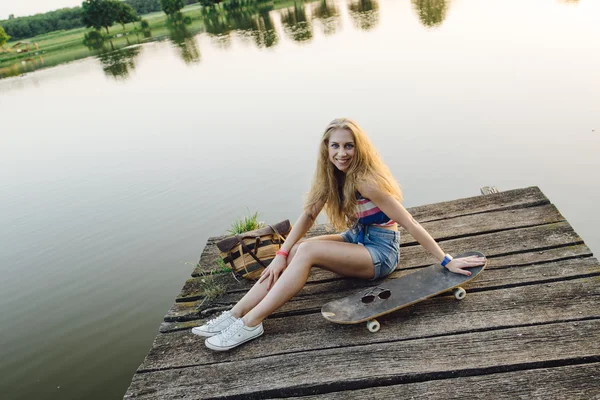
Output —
<point x="305" y="250"/>
<point x="302" y="256"/>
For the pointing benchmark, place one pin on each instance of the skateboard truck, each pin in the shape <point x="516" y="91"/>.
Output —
<point x="373" y="325"/>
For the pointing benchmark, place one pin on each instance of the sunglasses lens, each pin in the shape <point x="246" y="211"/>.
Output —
<point x="368" y="298"/>
<point x="385" y="294"/>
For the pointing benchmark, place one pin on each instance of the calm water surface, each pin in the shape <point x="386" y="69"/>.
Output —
<point x="115" y="170"/>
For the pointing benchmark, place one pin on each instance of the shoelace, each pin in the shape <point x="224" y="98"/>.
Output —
<point x="220" y="318"/>
<point x="232" y="329"/>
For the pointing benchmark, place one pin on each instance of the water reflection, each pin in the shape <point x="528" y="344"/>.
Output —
<point x="27" y="65"/>
<point x="258" y="25"/>
<point x="185" y="42"/>
<point x="252" y="21"/>
<point x="431" y="12"/>
<point x="119" y="64"/>
<point x="215" y="22"/>
<point x="94" y="40"/>
<point x="296" y="24"/>
<point x="327" y="13"/>
<point x="364" y="13"/>
<point x="264" y="34"/>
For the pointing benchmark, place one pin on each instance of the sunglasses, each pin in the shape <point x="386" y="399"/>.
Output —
<point x="370" y="296"/>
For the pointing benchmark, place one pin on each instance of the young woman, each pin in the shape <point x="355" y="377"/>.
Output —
<point x="357" y="190"/>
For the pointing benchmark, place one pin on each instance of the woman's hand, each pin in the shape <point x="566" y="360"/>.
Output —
<point x="272" y="272"/>
<point x="457" y="265"/>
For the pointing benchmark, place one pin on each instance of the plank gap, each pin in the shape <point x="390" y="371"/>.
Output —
<point x="508" y="253"/>
<point x="513" y="207"/>
<point x="530" y="283"/>
<point x="466" y="235"/>
<point x="399" y="380"/>
<point x="423" y="337"/>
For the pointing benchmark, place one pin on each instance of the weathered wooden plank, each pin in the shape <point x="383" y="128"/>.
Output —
<point x="440" y="230"/>
<point x="509" y="200"/>
<point x="492" y="245"/>
<point x="560" y="270"/>
<point x="500" y="243"/>
<point x="567" y="382"/>
<point x="487" y="222"/>
<point x="559" y="301"/>
<point x="374" y="364"/>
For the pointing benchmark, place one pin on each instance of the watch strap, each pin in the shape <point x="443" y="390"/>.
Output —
<point x="446" y="260"/>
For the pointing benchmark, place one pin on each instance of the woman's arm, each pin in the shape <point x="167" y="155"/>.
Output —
<point x="393" y="209"/>
<point x="302" y="225"/>
<point x="279" y="263"/>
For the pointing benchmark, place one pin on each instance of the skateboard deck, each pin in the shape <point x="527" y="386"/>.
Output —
<point x="399" y="293"/>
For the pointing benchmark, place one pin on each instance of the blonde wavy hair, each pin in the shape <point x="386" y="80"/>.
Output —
<point x="338" y="192"/>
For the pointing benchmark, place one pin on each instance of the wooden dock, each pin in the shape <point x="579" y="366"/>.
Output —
<point x="529" y="327"/>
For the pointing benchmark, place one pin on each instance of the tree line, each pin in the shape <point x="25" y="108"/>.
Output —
<point x="25" y="27"/>
<point x="70" y="18"/>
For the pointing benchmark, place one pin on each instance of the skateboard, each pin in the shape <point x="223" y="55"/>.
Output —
<point x="393" y="294"/>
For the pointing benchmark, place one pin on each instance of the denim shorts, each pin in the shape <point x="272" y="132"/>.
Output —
<point x="382" y="244"/>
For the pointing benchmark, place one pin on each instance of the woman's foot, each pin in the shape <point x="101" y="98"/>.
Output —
<point x="234" y="335"/>
<point x="215" y="325"/>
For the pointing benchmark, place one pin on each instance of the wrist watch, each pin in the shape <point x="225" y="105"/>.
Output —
<point x="446" y="260"/>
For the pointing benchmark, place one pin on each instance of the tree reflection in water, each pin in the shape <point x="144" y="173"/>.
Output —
<point x="264" y="30"/>
<point x="327" y="13"/>
<point x="217" y="26"/>
<point x="250" y="20"/>
<point x="296" y="24"/>
<point x="431" y="12"/>
<point x="185" y="42"/>
<point x="255" y="24"/>
<point x="119" y="64"/>
<point x="28" y="65"/>
<point x="364" y="13"/>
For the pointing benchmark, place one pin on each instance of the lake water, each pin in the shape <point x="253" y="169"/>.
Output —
<point x="115" y="171"/>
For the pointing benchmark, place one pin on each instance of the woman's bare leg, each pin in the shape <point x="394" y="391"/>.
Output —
<point x="342" y="258"/>
<point x="259" y="290"/>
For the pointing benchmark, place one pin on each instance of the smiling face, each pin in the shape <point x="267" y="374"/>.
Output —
<point x="341" y="148"/>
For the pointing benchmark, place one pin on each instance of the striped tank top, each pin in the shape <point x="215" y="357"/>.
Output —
<point x="369" y="214"/>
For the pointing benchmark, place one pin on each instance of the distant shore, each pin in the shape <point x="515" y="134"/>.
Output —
<point x="60" y="47"/>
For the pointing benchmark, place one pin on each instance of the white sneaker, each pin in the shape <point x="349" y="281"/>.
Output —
<point x="234" y="335"/>
<point x="215" y="325"/>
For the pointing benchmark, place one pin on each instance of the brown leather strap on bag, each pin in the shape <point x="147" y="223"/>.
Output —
<point x="247" y="250"/>
<point x="279" y="235"/>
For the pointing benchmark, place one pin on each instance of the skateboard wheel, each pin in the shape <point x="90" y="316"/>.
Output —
<point x="373" y="325"/>
<point x="459" y="293"/>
